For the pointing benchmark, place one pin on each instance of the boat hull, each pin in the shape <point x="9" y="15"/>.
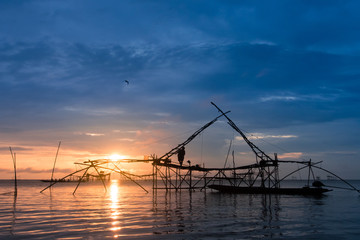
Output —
<point x="262" y="190"/>
<point x="45" y="180"/>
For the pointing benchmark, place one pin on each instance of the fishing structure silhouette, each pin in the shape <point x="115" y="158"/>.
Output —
<point x="261" y="177"/>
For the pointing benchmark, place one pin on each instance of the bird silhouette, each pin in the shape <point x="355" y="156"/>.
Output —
<point x="127" y="82"/>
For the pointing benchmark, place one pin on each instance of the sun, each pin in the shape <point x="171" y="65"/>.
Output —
<point x="116" y="157"/>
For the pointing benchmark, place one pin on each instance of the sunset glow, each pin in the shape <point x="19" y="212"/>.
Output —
<point x="116" y="157"/>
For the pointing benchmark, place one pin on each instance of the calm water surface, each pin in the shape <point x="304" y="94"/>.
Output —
<point x="125" y="211"/>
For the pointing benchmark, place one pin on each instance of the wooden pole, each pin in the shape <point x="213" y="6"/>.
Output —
<point x="13" y="156"/>
<point x="100" y="176"/>
<point x="87" y="169"/>
<point x="122" y="173"/>
<point x="53" y="183"/>
<point x="57" y="152"/>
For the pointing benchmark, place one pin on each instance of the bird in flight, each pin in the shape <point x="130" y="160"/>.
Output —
<point x="127" y="82"/>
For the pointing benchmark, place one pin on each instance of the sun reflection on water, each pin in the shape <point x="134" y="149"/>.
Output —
<point x="114" y="207"/>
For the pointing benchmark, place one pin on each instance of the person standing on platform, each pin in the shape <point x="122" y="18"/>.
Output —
<point x="181" y="155"/>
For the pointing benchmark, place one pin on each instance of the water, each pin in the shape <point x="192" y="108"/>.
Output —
<point x="125" y="211"/>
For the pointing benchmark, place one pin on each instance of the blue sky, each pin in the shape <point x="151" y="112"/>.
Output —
<point x="288" y="71"/>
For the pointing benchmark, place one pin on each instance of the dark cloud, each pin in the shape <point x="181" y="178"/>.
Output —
<point x="264" y="77"/>
<point x="326" y="25"/>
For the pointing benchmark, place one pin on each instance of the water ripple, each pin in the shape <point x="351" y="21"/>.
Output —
<point x="126" y="212"/>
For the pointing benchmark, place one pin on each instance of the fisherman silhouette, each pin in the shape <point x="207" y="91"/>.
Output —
<point x="181" y="155"/>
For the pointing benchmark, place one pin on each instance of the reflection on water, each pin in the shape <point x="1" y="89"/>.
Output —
<point x="114" y="208"/>
<point x="13" y="215"/>
<point x="270" y="213"/>
<point x="127" y="212"/>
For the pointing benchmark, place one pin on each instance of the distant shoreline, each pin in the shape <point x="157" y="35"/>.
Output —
<point x="125" y="180"/>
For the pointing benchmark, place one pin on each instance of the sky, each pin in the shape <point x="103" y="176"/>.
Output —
<point x="287" y="70"/>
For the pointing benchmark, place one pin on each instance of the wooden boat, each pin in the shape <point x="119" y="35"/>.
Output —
<point x="59" y="180"/>
<point x="264" y="190"/>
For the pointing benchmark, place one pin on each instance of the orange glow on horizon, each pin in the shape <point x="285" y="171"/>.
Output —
<point x="115" y="157"/>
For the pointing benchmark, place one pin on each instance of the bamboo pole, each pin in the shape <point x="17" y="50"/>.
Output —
<point x="57" y="152"/>
<point x="53" y="183"/>
<point x="100" y="176"/>
<point x="87" y="169"/>
<point x="13" y="156"/>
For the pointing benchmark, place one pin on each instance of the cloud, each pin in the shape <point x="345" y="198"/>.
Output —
<point x="91" y="134"/>
<point x="327" y="26"/>
<point x="262" y="136"/>
<point x="326" y="95"/>
<point x="292" y="155"/>
<point x="87" y="80"/>
<point x="278" y="98"/>
<point x="126" y="139"/>
<point x="16" y="149"/>
<point x="36" y="171"/>
<point x="95" y="112"/>
<point x="94" y="134"/>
